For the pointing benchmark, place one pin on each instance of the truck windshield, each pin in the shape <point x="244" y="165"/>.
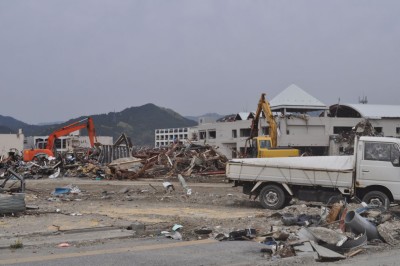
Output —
<point x="265" y="144"/>
<point x="376" y="151"/>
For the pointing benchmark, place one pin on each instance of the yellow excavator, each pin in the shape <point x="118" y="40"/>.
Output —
<point x="266" y="146"/>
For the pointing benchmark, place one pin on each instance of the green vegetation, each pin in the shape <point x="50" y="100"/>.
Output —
<point x="138" y="123"/>
<point x="17" y="244"/>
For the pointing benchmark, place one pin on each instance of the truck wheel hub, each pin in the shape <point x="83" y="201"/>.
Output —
<point x="376" y="202"/>
<point x="271" y="198"/>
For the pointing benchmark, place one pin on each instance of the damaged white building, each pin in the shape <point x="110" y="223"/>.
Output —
<point x="304" y="122"/>
<point x="66" y="143"/>
<point x="11" y="141"/>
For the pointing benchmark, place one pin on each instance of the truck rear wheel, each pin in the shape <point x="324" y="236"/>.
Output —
<point x="272" y="197"/>
<point x="377" y="198"/>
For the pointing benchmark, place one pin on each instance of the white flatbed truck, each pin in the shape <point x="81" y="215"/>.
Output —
<point x="372" y="174"/>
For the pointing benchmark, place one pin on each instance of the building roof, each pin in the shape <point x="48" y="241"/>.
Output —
<point x="369" y="111"/>
<point x="294" y="97"/>
<point x="244" y="116"/>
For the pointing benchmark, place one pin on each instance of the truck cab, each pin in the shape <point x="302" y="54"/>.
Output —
<point x="378" y="169"/>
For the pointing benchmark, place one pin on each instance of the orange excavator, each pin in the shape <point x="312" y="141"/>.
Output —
<point x="87" y="123"/>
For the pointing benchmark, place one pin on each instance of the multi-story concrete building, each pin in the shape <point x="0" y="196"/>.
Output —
<point x="166" y="136"/>
<point x="303" y="122"/>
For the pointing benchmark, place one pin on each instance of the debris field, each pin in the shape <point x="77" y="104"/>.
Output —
<point x="180" y="192"/>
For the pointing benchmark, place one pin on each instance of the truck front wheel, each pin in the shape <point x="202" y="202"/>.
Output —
<point x="272" y="197"/>
<point x="377" y="198"/>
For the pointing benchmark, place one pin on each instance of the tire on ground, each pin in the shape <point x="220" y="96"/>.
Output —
<point x="272" y="197"/>
<point x="12" y="203"/>
<point x="377" y="198"/>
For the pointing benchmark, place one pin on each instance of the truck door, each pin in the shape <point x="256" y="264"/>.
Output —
<point x="380" y="166"/>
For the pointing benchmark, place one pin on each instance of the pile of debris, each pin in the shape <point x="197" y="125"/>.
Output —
<point x="339" y="231"/>
<point x="178" y="159"/>
<point x="122" y="162"/>
<point x="363" y="128"/>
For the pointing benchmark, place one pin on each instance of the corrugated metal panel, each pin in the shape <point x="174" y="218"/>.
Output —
<point x="122" y="148"/>
<point x="110" y="153"/>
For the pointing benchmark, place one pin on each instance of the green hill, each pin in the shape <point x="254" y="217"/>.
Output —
<point x="138" y="123"/>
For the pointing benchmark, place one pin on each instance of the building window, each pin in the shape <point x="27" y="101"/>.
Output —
<point x="378" y="130"/>
<point x="234" y="133"/>
<point x="397" y="130"/>
<point x="340" y="130"/>
<point x="58" y="143"/>
<point x="202" y="134"/>
<point x="212" y="134"/>
<point x="245" y="132"/>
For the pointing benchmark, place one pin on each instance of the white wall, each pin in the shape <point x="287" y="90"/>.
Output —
<point x="84" y="141"/>
<point x="9" y="141"/>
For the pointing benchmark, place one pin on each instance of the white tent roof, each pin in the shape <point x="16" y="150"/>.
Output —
<point x="243" y="115"/>
<point x="376" y="111"/>
<point x="296" y="98"/>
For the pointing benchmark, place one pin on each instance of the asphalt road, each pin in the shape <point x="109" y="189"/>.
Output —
<point x="141" y="252"/>
<point x="162" y="251"/>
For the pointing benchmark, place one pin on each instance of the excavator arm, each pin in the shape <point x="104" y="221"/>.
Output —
<point x="264" y="106"/>
<point x="89" y="125"/>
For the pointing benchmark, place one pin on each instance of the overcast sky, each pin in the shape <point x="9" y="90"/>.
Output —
<point x="64" y="59"/>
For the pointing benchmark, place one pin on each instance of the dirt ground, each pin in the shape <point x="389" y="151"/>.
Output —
<point x="213" y="204"/>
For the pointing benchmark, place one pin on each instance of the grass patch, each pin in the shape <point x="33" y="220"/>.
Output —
<point x="17" y="244"/>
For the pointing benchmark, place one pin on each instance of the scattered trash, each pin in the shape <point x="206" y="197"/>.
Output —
<point x="175" y="235"/>
<point x="245" y="234"/>
<point x="124" y="190"/>
<point x="184" y="185"/>
<point x="61" y="191"/>
<point x="327" y="235"/>
<point x="71" y="189"/>
<point x="63" y="245"/>
<point x="137" y="227"/>
<point x="203" y="231"/>
<point x="56" y="174"/>
<point x="302" y="219"/>
<point x="176" y="227"/>
<point x="168" y="187"/>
